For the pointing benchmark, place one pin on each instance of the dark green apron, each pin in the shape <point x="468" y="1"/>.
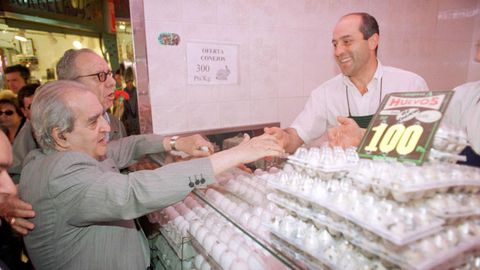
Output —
<point x="364" y="120"/>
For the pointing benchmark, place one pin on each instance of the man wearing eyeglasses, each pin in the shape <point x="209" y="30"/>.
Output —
<point x="88" y="68"/>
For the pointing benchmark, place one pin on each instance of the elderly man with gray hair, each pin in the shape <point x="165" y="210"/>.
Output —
<point x="85" y="210"/>
<point x="88" y="68"/>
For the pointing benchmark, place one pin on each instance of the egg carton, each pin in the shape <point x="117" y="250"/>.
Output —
<point x="398" y="225"/>
<point x="251" y="190"/>
<point x="449" y="140"/>
<point x="413" y="182"/>
<point x="226" y="246"/>
<point x="324" y="159"/>
<point x="439" y="156"/>
<point x="301" y="259"/>
<point x="451" y="242"/>
<point x="249" y="218"/>
<point x="352" y="233"/>
<point x="335" y="253"/>
<point x="452" y="205"/>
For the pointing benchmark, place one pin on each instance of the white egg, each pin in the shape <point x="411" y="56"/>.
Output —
<point x="217" y="251"/>
<point x="198" y="261"/>
<point x="243" y="252"/>
<point x="201" y="233"/>
<point x="194" y="226"/>
<point x="239" y="264"/>
<point x="190" y="215"/>
<point x="209" y="241"/>
<point x="234" y="245"/>
<point x="226" y="204"/>
<point x="273" y="170"/>
<point x="225" y="234"/>
<point x="231" y="208"/>
<point x="232" y="186"/>
<point x="255" y="262"/>
<point x="242" y="188"/>
<point x="178" y="220"/>
<point x="205" y="265"/>
<point x="227" y="259"/>
<point x="200" y="211"/>
<point x="210" y="220"/>
<point x="253" y="223"/>
<point x="237" y="212"/>
<point x="245" y="218"/>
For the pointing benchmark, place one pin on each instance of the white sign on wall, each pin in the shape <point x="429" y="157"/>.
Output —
<point x="212" y="63"/>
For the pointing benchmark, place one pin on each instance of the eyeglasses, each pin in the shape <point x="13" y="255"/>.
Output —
<point x="7" y="112"/>
<point x="102" y="76"/>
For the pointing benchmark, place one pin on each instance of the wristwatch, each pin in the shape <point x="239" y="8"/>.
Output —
<point x="173" y="141"/>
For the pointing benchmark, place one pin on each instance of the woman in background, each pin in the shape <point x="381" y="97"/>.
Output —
<point x="11" y="117"/>
<point x="130" y="106"/>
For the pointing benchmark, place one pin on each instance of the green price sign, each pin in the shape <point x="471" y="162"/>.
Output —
<point x="404" y="126"/>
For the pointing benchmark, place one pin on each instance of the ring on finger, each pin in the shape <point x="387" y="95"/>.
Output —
<point x="12" y="221"/>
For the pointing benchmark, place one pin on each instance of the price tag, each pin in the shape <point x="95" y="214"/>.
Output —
<point x="404" y="126"/>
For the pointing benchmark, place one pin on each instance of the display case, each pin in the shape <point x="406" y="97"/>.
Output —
<point x="200" y="233"/>
<point x="328" y="209"/>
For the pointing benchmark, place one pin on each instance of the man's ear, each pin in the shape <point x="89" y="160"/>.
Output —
<point x="373" y="41"/>
<point x="60" y="139"/>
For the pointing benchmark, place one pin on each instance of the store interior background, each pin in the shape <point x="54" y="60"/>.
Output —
<point x="42" y="50"/>
<point x="285" y="51"/>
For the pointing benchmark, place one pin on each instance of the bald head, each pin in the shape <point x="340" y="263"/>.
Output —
<point x="87" y="67"/>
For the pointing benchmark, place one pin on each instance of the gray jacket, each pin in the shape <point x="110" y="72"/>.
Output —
<point x="84" y="208"/>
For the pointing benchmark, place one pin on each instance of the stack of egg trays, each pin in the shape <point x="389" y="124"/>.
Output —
<point x="448" y="212"/>
<point x="298" y="256"/>
<point x="447" y="176"/>
<point x="356" y="236"/>
<point x="431" y="228"/>
<point x="321" y="255"/>
<point x="314" y="162"/>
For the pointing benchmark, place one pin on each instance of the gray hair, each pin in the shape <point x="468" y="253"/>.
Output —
<point x="66" y="67"/>
<point x="50" y="109"/>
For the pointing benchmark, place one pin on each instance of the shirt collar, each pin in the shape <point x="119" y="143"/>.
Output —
<point x="376" y="76"/>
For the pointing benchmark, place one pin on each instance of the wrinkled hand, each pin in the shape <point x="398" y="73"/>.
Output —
<point x="14" y="211"/>
<point x="252" y="149"/>
<point x="195" y="145"/>
<point x="346" y="134"/>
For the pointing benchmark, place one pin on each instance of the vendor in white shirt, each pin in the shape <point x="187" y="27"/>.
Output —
<point x="357" y="92"/>
<point x="463" y="112"/>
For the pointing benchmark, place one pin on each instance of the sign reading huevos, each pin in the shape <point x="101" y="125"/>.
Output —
<point x="404" y="126"/>
<point x="212" y="63"/>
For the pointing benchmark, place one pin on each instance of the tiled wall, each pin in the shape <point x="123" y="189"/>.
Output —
<point x="285" y="51"/>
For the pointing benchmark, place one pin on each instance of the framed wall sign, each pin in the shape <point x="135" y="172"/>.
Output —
<point x="404" y="126"/>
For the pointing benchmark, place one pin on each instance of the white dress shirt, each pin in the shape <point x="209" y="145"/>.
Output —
<point x="464" y="112"/>
<point x="329" y="100"/>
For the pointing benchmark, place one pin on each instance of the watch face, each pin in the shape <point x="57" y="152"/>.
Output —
<point x="173" y="141"/>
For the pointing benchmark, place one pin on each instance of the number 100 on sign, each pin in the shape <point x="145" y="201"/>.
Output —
<point x="397" y="138"/>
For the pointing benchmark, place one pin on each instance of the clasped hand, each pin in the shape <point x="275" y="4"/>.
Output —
<point x="15" y="212"/>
